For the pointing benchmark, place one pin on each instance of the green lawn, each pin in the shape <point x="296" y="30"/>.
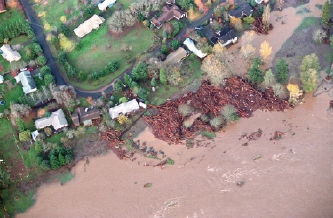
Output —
<point x="89" y="60"/>
<point x="308" y="22"/>
<point x="10" y="95"/>
<point x="164" y="92"/>
<point x="11" y="15"/>
<point x="17" y="201"/>
<point x="19" y="40"/>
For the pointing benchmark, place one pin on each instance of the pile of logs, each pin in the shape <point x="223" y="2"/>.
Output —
<point x="113" y="139"/>
<point x="168" y="126"/>
<point x="259" y="27"/>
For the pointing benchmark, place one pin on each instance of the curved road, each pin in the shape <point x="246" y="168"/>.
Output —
<point x="51" y="61"/>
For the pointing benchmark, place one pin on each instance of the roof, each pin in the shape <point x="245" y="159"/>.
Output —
<point x="124" y="108"/>
<point x="1" y="79"/>
<point x="9" y="54"/>
<point x="88" y="25"/>
<point x="105" y="4"/>
<point x="243" y="10"/>
<point x="169" y="12"/>
<point x="34" y="134"/>
<point x="170" y="2"/>
<point x="176" y="56"/>
<point x="2" y="6"/>
<point x="190" y="45"/>
<point x="80" y="116"/>
<point x="57" y="120"/>
<point x="224" y="35"/>
<point x="28" y="83"/>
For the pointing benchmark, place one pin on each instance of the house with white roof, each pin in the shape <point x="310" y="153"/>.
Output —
<point x="57" y="120"/>
<point x="123" y="108"/>
<point x="89" y="25"/>
<point x="27" y="81"/>
<point x="190" y="45"/>
<point x="9" y="54"/>
<point x="1" y="79"/>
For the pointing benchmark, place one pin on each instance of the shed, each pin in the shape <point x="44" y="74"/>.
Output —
<point x="176" y="56"/>
<point x="190" y="45"/>
<point x="107" y="3"/>
<point x="34" y="134"/>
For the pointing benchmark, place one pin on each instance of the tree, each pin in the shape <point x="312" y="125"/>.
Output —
<point x="175" y="44"/>
<point x="21" y="126"/>
<point x="140" y="73"/>
<point x="66" y="44"/>
<point x="265" y="50"/>
<point x="49" y="78"/>
<point x="309" y="72"/>
<point x="318" y="36"/>
<point x="168" y="28"/>
<point x="48" y="131"/>
<point x="127" y="80"/>
<point x="82" y="76"/>
<point x="63" y="29"/>
<point x="54" y="161"/>
<point x="122" y="100"/>
<point x="266" y="15"/>
<point x="185" y="4"/>
<point x="70" y="70"/>
<point x="45" y="70"/>
<point x="24" y="136"/>
<point x="164" y="49"/>
<point x="163" y="77"/>
<point x="118" y="86"/>
<point x="113" y="66"/>
<point x="269" y="79"/>
<point x="41" y="60"/>
<point x="45" y="165"/>
<point x="37" y="48"/>
<point x="143" y="94"/>
<point x="255" y="74"/>
<point x="237" y="23"/>
<point x="325" y="17"/>
<point x="282" y="71"/>
<point x="153" y="82"/>
<point x="62" y="57"/>
<point x="38" y="146"/>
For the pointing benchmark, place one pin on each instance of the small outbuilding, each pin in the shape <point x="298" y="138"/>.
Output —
<point x="9" y="54"/>
<point x="176" y="56"/>
<point x="89" y="25"/>
<point x="107" y="3"/>
<point x="190" y="45"/>
<point x="124" y="108"/>
<point x="85" y="116"/>
<point x="34" y="134"/>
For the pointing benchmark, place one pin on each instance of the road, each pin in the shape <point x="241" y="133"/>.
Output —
<point x="51" y="61"/>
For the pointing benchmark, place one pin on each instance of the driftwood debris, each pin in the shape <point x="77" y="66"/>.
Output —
<point x="259" y="27"/>
<point x="167" y="125"/>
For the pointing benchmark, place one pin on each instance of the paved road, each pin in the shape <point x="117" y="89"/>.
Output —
<point x="51" y="61"/>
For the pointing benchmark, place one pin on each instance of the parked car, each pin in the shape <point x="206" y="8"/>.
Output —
<point x="30" y="69"/>
<point x="198" y="28"/>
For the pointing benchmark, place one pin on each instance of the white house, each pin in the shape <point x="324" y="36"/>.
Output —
<point x="9" y="54"/>
<point x="57" y="120"/>
<point x="89" y="25"/>
<point x="123" y="108"/>
<point x="28" y="83"/>
<point x="190" y="45"/>
<point x="102" y="6"/>
<point x="1" y="79"/>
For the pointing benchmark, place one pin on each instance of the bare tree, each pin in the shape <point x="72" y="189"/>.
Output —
<point x="266" y="15"/>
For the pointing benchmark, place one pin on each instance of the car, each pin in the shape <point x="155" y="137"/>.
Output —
<point x="2" y="102"/>
<point x="198" y="28"/>
<point x="31" y="69"/>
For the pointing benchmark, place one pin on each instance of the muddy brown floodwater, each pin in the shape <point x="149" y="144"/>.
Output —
<point x="289" y="177"/>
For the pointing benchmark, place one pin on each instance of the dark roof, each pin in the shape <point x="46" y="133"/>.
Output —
<point x="2" y="6"/>
<point x="79" y="115"/>
<point x="169" y="12"/>
<point x="224" y="35"/>
<point x="243" y="10"/>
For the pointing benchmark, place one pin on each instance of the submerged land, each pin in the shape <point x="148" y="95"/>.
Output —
<point x="125" y="129"/>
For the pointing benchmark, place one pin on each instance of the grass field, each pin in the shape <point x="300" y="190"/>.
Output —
<point x="10" y="95"/>
<point x="308" y="22"/>
<point x="89" y="60"/>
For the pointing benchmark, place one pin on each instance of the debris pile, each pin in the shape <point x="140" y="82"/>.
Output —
<point x="167" y="125"/>
<point x="259" y="27"/>
<point x="113" y="139"/>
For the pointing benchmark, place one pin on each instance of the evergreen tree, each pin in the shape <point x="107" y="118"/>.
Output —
<point x="118" y="86"/>
<point x="62" y="57"/>
<point x="282" y="71"/>
<point x="82" y="76"/>
<point x="163" y="77"/>
<point x="140" y="73"/>
<point x="143" y="94"/>
<point x="127" y="80"/>
<point x="54" y="161"/>
<point x="45" y="70"/>
<point x="325" y="17"/>
<point x="41" y="60"/>
<point x="48" y="79"/>
<point x="61" y="159"/>
<point x="153" y="82"/>
<point x="255" y="74"/>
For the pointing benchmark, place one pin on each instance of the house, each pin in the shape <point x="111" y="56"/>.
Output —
<point x="169" y="12"/>
<point x="28" y="83"/>
<point x="9" y="54"/>
<point x="2" y="6"/>
<point x="190" y="45"/>
<point x="176" y="56"/>
<point x="1" y="79"/>
<point x="57" y="120"/>
<point x="243" y="10"/>
<point x="225" y="37"/>
<point x="85" y="116"/>
<point x="107" y="3"/>
<point x="89" y="25"/>
<point x="123" y="108"/>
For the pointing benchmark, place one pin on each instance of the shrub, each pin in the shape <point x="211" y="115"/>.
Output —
<point x="209" y="135"/>
<point x="174" y="44"/>
<point x="48" y="131"/>
<point x="229" y="113"/>
<point x="24" y="136"/>
<point x="204" y="118"/>
<point x="62" y="57"/>
<point x="164" y="49"/>
<point x="279" y="90"/>
<point x="82" y="76"/>
<point x="118" y="86"/>
<point x="122" y="119"/>
<point x="163" y="76"/>
<point x="48" y="79"/>
<point x="45" y="70"/>
<point x="188" y="123"/>
<point x="318" y="36"/>
<point x="153" y="82"/>
<point x="122" y="100"/>
<point x="185" y="109"/>
<point x="140" y="73"/>
<point x="217" y="122"/>
<point x="248" y="20"/>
